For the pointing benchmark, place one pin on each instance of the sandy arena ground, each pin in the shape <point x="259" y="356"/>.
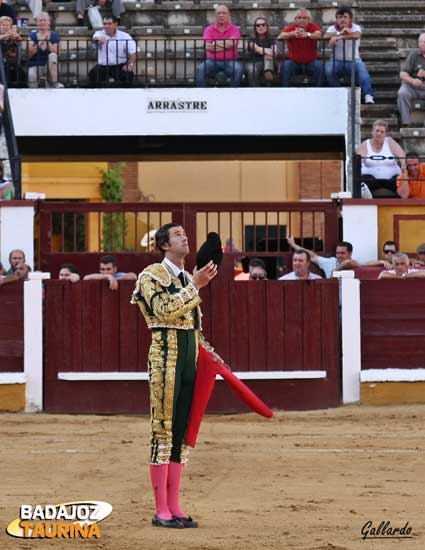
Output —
<point x="303" y="480"/>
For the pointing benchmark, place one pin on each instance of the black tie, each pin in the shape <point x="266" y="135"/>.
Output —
<point x="182" y="278"/>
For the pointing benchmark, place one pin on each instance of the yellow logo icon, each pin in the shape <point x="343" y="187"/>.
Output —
<point x="79" y="519"/>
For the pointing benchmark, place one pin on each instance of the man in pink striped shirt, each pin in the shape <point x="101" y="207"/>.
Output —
<point x="221" y="45"/>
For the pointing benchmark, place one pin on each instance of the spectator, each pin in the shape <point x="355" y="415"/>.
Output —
<point x="411" y="183"/>
<point x="412" y="76"/>
<point x="116" y="54"/>
<point x="11" y="49"/>
<point x="8" y="11"/>
<point x="402" y="269"/>
<point x="389" y="248"/>
<point x="221" y="44"/>
<point x="263" y="49"/>
<point x="83" y="5"/>
<point x="148" y="240"/>
<point x="340" y="37"/>
<point x="20" y="274"/>
<point x="257" y="270"/>
<point x="69" y="272"/>
<point x="420" y="255"/>
<point x="2" y="270"/>
<point x="7" y="189"/>
<point x="301" y="268"/>
<point x="379" y="161"/>
<point x="108" y="270"/>
<point x="302" y="37"/>
<point x="341" y="261"/>
<point x="16" y="257"/>
<point x="43" y="53"/>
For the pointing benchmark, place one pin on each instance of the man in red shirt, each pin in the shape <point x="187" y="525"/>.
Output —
<point x="302" y="37"/>
<point x="221" y="45"/>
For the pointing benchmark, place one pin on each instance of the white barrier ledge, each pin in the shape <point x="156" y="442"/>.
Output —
<point x="392" y="375"/>
<point x="350" y="335"/>
<point x="253" y="375"/>
<point x="12" y="378"/>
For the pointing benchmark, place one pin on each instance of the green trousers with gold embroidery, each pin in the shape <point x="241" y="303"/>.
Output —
<point x="172" y="373"/>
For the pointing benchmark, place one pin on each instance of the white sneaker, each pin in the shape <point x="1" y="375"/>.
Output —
<point x="57" y="85"/>
<point x="368" y="99"/>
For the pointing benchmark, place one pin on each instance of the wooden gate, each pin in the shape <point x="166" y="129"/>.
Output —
<point x="282" y="337"/>
<point x="12" y="327"/>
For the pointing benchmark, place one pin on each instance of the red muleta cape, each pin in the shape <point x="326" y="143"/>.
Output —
<point x="207" y="369"/>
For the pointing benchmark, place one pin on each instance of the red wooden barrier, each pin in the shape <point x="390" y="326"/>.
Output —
<point x="12" y="327"/>
<point x="255" y="326"/>
<point x="393" y="324"/>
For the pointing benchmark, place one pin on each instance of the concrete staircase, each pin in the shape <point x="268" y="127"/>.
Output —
<point x="390" y="31"/>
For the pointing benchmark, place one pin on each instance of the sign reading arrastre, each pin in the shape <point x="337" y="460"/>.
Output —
<point x="176" y="105"/>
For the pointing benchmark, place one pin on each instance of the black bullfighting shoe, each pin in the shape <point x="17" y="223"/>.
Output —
<point x="187" y="521"/>
<point x="173" y="523"/>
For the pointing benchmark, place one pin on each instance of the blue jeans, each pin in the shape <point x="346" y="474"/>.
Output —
<point x="343" y="68"/>
<point x="210" y="67"/>
<point x="290" y="67"/>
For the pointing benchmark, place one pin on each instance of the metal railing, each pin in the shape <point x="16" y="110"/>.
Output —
<point x="161" y="62"/>
<point x="9" y="133"/>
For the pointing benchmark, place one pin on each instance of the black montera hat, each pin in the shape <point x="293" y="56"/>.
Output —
<point x="210" y="250"/>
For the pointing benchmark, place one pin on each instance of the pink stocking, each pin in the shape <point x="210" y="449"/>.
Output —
<point x="175" y="471"/>
<point x="159" y="474"/>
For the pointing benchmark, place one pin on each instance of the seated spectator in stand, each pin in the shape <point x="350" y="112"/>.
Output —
<point x="302" y="37"/>
<point x="10" y="41"/>
<point x="43" y="53"/>
<point x="8" y="11"/>
<point x="389" y="248"/>
<point x="340" y="37"/>
<point x="108" y="270"/>
<point x="116" y="54"/>
<point x="69" y="272"/>
<point x="7" y="189"/>
<point x="412" y="76"/>
<point x="116" y="6"/>
<point x="263" y="48"/>
<point x="411" y="183"/>
<point x="257" y="270"/>
<point x="301" y="268"/>
<point x="380" y="157"/>
<point x="340" y="262"/>
<point x="221" y="45"/>
<point x="420" y="255"/>
<point x="401" y="269"/>
<point x="16" y="257"/>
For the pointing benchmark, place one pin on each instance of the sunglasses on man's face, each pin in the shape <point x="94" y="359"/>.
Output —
<point x="389" y="251"/>
<point x="258" y="277"/>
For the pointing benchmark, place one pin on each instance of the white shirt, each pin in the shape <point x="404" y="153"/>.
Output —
<point x="174" y="268"/>
<point x="117" y="50"/>
<point x="347" y="44"/>
<point x="293" y="277"/>
<point x="327" y="265"/>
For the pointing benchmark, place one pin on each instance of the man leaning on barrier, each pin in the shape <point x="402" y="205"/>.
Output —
<point x="340" y="37"/>
<point x="302" y="39"/>
<point x="116" y="54"/>
<point x="411" y="183"/>
<point x="221" y="45"/>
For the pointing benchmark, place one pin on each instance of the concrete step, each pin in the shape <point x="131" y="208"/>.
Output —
<point x="392" y="6"/>
<point x="380" y="56"/>
<point x="378" y="110"/>
<point x="388" y="44"/>
<point x="379" y="32"/>
<point x="387" y="19"/>
<point x="384" y="67"/>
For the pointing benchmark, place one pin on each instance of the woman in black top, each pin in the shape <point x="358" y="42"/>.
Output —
<point x="263" y="50"/>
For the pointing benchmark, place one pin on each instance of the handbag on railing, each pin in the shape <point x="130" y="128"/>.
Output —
<point x="95" y="18"/>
